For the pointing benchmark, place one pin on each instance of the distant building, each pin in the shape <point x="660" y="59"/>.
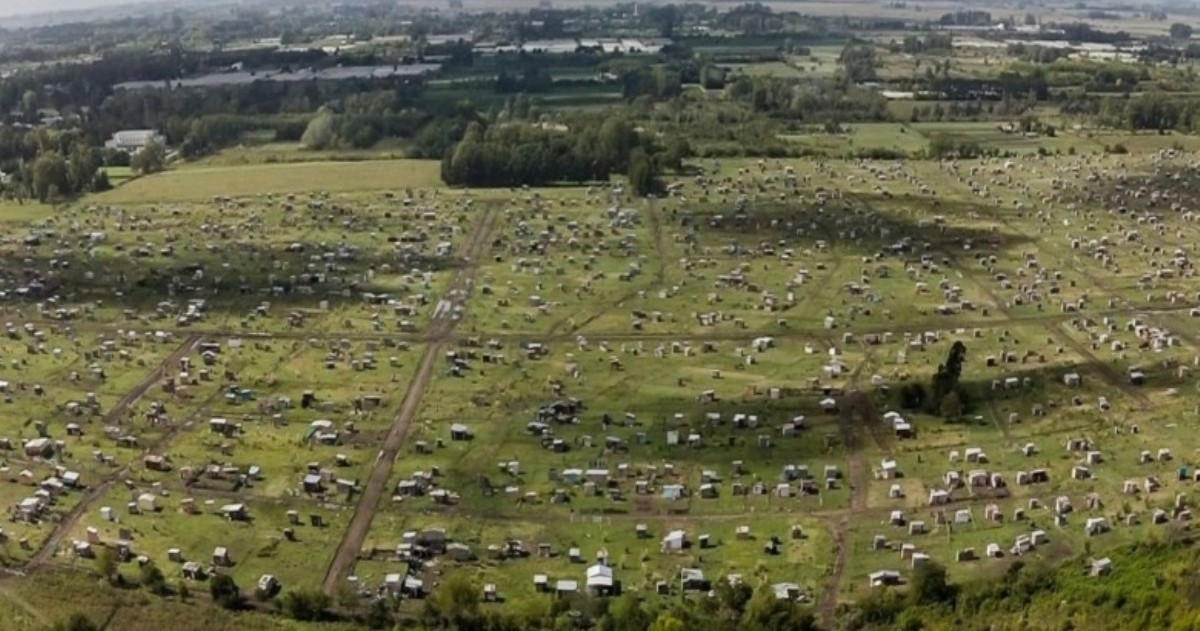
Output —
<point x="134" y="140"/>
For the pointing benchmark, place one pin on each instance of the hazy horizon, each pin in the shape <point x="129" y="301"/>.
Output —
<point x="11" y="8"/>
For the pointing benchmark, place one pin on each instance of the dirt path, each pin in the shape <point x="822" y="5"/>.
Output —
<point x="360" y="524"/>
<point x="859" y="478"/>
<point x="115" y="415"/>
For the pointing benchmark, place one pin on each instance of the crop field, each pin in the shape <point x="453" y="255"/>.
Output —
<point x="556" y="376"/>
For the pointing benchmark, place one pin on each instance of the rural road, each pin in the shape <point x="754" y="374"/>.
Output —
<point x="440" y="333"/>
<point x="855" y="406"/>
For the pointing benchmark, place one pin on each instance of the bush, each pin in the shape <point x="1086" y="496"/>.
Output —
<point x="224" y="591"/>
<point x="306" y="605"/>
<point x="153" y="580"/>
<point x="929" y="585"/>
<point x="912" y="396"/>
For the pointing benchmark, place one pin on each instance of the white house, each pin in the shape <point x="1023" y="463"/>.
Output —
<point x="134" y="140"/>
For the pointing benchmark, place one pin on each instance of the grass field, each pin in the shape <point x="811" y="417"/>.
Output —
<point x="290" y="153"/>
<point x="202" y="183"/>
<point x="119" y="175"/>
<point x="864" y="137"/>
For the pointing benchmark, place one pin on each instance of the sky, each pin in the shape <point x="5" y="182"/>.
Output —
<point x="26" y="7"/>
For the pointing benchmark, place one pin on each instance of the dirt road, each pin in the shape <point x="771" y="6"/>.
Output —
<point x="443" y="326"/>
<point x="115" y="415"/>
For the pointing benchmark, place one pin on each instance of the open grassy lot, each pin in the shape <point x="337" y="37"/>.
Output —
<point x="864" y="137"/>
<point x="288" y="153"/>
<point x="202" y="183"/>
<point x="119" y="175"/>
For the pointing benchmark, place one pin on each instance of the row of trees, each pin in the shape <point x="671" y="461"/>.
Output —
<point x="969" y="110"/>
<point x="586" y="151"/>
<point x="931" y="42"/>
<point x="1152" y="111"/>
<point x="808" y="100"/>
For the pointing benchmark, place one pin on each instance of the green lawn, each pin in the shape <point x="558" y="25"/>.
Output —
<point x="200" y="183"/>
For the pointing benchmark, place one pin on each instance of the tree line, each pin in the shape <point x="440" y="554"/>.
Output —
<point x="515" y="154"/>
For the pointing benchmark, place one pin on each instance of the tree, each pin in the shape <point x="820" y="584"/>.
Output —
<point x="75" y="622"/>
<point x="82" y="166"/>
<point x="151" y="159"/>
<point x="1181" y="31"/>
<point x="100" y="183"/>
<point x="666" y="622"/>
<point x="945" y="380"/>
<point x="665" y="18"/>
<point x="305" y="604"/>
<point x="912" y="396"/>
<point x="224" y="591"/>
<point x="627" y="613"/>
<point x="733" y="597"/>
<point x="50" y="176"/>
<point x="765" y="612"/>
<point x="106" y="563"/>
<point x="677" y="150"/>
<point x="153" y="579"/>
<point x="455" y="603"/>
<point x="858" y="62"/>
<point x="929" y="585"/>
<point x="320" y="133"/>
<point x="951" y="406"/>
<point x="29" y="103"/>
<point x="378" y="615"/>
<point x="642" y="179"/>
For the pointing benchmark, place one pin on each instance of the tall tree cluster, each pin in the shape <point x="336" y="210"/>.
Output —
<point x="522" y="154"/>
<point x="945" y="394"/>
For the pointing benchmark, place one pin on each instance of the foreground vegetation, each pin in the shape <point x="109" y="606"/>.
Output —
<point x="1154" y="590"/>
